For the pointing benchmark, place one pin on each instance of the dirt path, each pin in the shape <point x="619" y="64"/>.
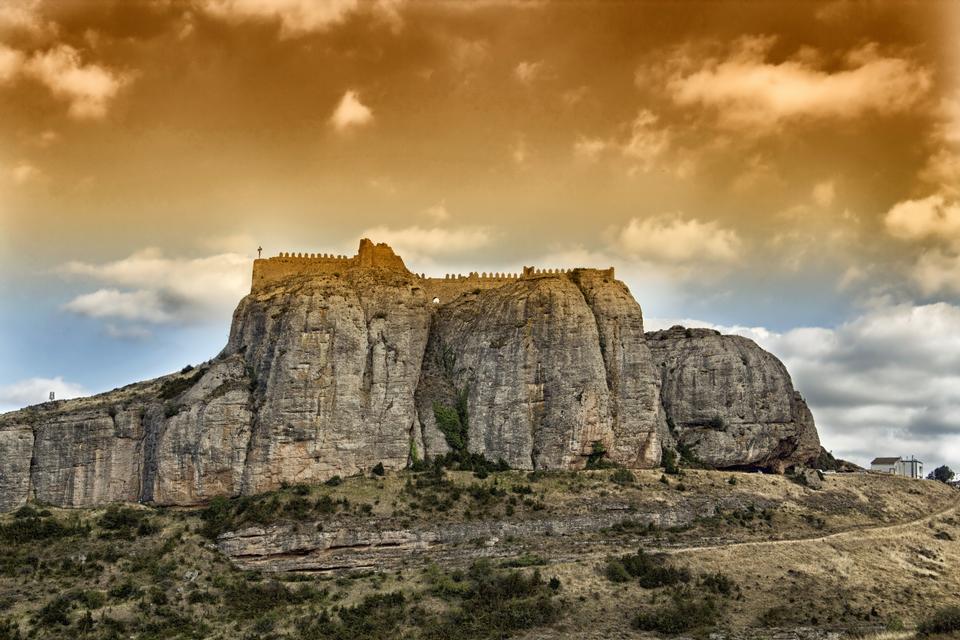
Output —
<point x="866" y="532"/>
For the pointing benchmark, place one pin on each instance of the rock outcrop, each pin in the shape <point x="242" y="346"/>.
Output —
<point x="335" y="364"/>
<point x="551" y="366"/>
<point x="729" y="402"/>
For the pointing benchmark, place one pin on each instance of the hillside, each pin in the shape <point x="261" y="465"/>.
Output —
<point x="436" y="553"/>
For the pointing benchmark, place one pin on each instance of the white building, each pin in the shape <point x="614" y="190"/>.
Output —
<point x="898" y="466"/>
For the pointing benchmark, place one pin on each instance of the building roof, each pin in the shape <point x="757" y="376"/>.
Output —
<point x="885" y="461"/>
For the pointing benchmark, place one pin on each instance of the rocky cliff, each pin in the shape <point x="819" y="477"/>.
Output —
<point x="336" y="364"/>
<point x="729" y="403"/>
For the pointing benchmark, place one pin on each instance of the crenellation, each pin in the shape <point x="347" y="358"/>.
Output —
<point x="267" y="271"/>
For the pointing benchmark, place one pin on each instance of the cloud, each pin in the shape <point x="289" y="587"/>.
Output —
<point x="934" y="218"/>
<point x="11" y="63"/>
<point x="88" y="88"/>
<point x="936" y="271"/>
<point x="422" y="244"/>
<point x="296" y="17"/>
<point x="589" y="149"/>
<point x="350" y="113"/>
<point x="674" y="239"/>
<point x="30" y="391"/>
<point x="647" y="141"/>
<point x="23" y="16"/>
<point x="24" y="172"/>
<point x="149" y="287"/>
<point x="748" y="92"/>
<point x="644" y="146"/>
<point x="142" y="305"/>
<point x="437" y="212"/>
<point x="930" y="217"/>
<point x="519" y="152"/>
<point x="942" y="169"/>
<point x="824" y="193"/>
<point x="884" y="383"/>
<point x="528" y="71"/>
<point x="301" y="17"/>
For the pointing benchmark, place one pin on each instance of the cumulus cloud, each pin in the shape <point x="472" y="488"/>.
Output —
<point x="936" y="219"/>
<point x="437" y="212"/>
<point x="24" y="16"/>
<point x="942" y="169"/>
<point x="296" y="17"/>
<point x="930" y="217"/>
<point x="674" y="239"/>
<point x="824" y="193"/>
<point x="112" y="303"/>
<point x="884" y="383"/>
<point x="301" y="17"/>
<point x="87" y="88"/>
<point x="24" y="172"/>
<point x="350" y="113"/>
<point x="11" y="63"/>
<point x="749" y="92"/>
<point x="30" y="391"/>
<point x="937" y="271"/>
<point x="423" y="243"/>
<point x="643" y="144"/>
<point x="589" y="149"/>
<point x="647" y="141"/>
<point x="149" y="287"/>
<point x="528" y="71"/>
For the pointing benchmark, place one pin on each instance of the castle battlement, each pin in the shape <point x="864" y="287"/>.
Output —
<point x="267" y="271"/>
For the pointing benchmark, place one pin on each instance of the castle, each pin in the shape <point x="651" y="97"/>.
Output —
<point x="268" y="271"/>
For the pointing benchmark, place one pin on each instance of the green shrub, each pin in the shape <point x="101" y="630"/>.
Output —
<point x="622" y="476"/>
<point x="126" y="522"/>
<point x="718" y="583"/>
<point x="688" y="457"/>
<point x="597" y="459"/>
<point x="451" y="426"/>
<point x="683" y="613"/>
<point x="27" y="529"/>
<point x="944" y="620"/>
<point x="124" y="591"/>
<point x="379" y="470"/>
<point x="335" y="481"/>
<point x="9" y="630"/>
<point x="172" y="388"/>
<point x="650" y="571"/>
<point x="669" y="462"/>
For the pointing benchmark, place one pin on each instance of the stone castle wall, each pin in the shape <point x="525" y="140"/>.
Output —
<point x="268" y="271"/>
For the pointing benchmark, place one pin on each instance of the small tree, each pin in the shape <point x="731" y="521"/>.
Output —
<point x="942" y="473"/>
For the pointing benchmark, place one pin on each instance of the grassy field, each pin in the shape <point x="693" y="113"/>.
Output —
<point x="864" y="555"/>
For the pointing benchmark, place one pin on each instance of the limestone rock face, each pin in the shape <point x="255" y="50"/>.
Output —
<point x="548" y="366"/>
<point x="335" y="364"/>
<point x="16" y="450"/>
<point x="200" y="451"/>
<point x="732" y="403"/>
<point x="336" y="360"/>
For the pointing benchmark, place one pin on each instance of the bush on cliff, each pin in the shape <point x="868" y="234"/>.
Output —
<point x="33" y="528"/>
<point x="684" y="612"/>
<point x="945" y="620"/>
<point x="649" y="570"/>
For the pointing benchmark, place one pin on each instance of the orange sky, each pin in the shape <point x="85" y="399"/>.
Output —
<point x="775" y="165"/>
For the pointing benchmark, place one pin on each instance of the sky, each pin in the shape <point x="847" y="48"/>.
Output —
<point x="789" y="171"/>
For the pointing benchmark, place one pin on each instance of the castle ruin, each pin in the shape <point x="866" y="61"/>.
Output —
<point x="268" y="271"/>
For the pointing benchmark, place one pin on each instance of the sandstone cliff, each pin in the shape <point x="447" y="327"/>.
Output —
<point x="730" y="402"/>
<point x="336" y="364"/>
